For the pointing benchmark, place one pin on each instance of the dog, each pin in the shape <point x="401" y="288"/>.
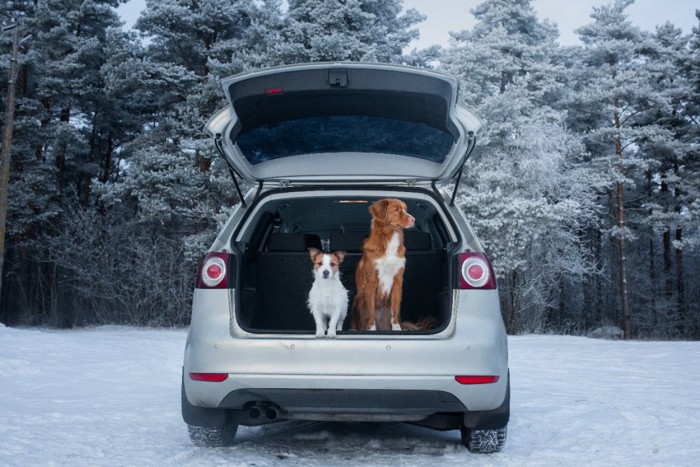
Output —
<point x="328" y="298"/>
<point x="379" y="274"/>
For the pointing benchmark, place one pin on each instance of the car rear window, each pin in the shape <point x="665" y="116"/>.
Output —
<point x="344" y="134"/>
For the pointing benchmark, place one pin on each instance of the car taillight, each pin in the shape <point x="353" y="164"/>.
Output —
<point x="475" y="272"/>
<point x="477" y="379"/>
<point x="213" y="274"/>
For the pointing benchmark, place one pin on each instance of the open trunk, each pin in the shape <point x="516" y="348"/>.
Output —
<point x="343" y="122"/>
<point x="274" y="268"/>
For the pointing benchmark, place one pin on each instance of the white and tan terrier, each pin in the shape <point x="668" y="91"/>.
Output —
<point x="328" y="299"/>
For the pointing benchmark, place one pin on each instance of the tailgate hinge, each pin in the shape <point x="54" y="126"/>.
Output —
<point x="411" y="182"/>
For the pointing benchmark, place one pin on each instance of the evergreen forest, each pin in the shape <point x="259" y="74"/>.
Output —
<point x="584" y="187"/>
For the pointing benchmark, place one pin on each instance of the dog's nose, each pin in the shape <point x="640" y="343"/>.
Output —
<point x="325" y="274"/>
<point x="411" y="220"/>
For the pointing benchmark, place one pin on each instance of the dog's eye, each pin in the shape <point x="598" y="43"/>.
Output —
<point x="334" y="265"/>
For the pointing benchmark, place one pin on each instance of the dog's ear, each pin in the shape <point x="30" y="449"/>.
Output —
<point x="340" y="254"/>
<point x="313" y="252"/>
<point x="378" y="209"/>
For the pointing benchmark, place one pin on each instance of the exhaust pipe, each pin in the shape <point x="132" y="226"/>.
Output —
<point x="271" y="413"/>
<point x="263" y="410"/>
<point x="254" y="413"/>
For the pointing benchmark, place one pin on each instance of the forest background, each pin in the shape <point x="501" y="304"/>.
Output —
<point x="584" y="185"/>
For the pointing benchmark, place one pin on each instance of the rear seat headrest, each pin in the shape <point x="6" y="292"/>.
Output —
<point x="352" y="241"/>
<point x="293" y="242"/>
<point x="348" y="241"/>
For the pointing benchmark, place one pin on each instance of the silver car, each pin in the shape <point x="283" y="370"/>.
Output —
<point x="319" y="143"/>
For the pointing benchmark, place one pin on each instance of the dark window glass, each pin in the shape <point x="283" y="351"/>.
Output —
<point x="335" y="134"/>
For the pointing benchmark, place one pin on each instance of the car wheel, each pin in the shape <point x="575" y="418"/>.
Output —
<point x="484" y="441"/>
<point x="213" y="436"/>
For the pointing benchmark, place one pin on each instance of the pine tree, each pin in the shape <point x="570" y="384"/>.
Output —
<point x="666" y="186"/>
<point x="354" y="30"/>
<point x="519" y="189"/>
<point x="191" y="46"/>
<point x="172" y="186"/>
<point x="614" y="98"/>
<point x="66" y="133"/>
<point x="680" y="169"/>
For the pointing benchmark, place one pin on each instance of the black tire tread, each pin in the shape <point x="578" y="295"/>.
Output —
<point x="213" y="436"/>
<point x="484" y="441"/>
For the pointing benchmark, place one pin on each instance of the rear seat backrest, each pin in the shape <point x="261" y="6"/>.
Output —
<point x="284" y="277"/>
<point x="283" y="281"/>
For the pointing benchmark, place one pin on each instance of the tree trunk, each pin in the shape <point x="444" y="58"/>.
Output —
<point x="680" y="289"/>
<point x="8" y="125"/>
<point x="107" y="159"/>
<point x="509" y="301"/>
<point x="620" y="191"/>
<point x="624" y="294"/>
<point x="666" y="242"/>
<point x="652" y="281"/>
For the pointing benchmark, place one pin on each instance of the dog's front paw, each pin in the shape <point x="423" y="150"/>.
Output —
<point x="320" y="334"/>
<point x="331" y="333"/>
<point x="395" y="327"/>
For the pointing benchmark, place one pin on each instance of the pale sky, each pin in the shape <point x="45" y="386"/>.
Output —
<point x="453" y="15"/>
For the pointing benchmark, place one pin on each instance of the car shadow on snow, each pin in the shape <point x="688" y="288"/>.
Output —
<point x="345" y="440"/>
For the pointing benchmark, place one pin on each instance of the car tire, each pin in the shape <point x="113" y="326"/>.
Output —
<point x="484" y="441"/>
<point x="213" y="436"/>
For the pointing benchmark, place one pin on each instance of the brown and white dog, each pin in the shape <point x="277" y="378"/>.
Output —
<point x="328" y="298"/>
<point x="379" y="275"/>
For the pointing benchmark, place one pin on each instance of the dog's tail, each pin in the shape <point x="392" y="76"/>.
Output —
<point x="423" y="324"/>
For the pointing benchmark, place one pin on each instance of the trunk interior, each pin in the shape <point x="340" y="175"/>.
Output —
<point x="274" y="271"/>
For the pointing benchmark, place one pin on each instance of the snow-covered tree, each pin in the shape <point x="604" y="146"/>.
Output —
<point x="356" y="30"/>
<point x="172" y="188"/>
<point x="522" y="190"/>
<point x="668" y="188"/>
<point x="674" y="184"/>
<point x="116" y="190"/>
<point x="173" y="179"/>
<point x="615" y="95"/>
<point x="66" y="131"/>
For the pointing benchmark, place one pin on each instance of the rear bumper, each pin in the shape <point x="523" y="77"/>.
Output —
<point x="436" y="409"/>
<point x="410" y="403"/>
<point x="417" y="394"/>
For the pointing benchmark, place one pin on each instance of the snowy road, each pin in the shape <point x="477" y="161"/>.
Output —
<point x="110" y="396"/>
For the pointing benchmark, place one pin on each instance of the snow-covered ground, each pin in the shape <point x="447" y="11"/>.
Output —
<point x="111" y="396"/>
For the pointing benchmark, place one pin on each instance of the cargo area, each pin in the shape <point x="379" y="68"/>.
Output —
<point x="274" y="269"/>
